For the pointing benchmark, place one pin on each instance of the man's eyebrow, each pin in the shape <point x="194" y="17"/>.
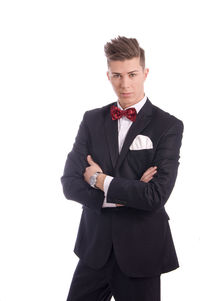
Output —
<point x="133" y="71"/>
<point x="127" y="72"/>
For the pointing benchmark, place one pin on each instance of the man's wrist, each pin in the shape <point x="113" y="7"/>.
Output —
<point x="100" y="181"/>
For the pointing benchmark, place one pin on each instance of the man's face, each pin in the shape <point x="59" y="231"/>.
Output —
<point x="127" y="78"/>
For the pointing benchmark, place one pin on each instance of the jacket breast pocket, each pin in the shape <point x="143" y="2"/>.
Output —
<point x="140" y="160"/>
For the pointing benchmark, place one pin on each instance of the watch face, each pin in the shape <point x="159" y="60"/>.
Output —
<point x="92" y="180"/>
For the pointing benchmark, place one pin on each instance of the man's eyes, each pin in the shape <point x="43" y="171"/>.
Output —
<point x="119" y="76"/>
<point x="132" y="74"/>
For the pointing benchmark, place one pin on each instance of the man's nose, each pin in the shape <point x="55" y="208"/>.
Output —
<point x="125" y="82"/>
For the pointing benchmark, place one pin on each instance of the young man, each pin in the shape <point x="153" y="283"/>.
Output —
<point x="122" y="169"/>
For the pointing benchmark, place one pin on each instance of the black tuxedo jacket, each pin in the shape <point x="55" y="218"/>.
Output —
<point x="139" y="231"/>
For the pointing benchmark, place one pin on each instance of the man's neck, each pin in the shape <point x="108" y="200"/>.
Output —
<point x="136" y="105"/>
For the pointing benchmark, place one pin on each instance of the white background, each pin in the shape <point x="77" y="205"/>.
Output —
<point x="53" y="69"/>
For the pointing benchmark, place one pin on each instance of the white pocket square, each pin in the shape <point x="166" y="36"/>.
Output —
<point x="141" y="142"/>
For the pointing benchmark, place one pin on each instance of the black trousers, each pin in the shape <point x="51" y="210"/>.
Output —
<point x="100" y="285"/>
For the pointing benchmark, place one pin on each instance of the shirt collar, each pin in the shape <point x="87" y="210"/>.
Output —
<point x="138" y="106"/>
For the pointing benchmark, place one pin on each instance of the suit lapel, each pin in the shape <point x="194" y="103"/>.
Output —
<point x="142" y="120"/>
<point x="111" y="133"/>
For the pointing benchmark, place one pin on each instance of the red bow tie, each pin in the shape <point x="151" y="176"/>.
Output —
<point x="116" y="113"/>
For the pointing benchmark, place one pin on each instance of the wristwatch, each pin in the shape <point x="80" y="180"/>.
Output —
<point x="93" y="179"/>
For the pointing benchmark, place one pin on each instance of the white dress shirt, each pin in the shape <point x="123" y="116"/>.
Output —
<point x="123" y="126"/>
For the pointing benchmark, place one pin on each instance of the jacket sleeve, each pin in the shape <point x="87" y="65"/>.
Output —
<point x="74" y="186"/>
<point x="154" y="194"/>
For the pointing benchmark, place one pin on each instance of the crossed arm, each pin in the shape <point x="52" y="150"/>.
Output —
<point x="94" y="167"/>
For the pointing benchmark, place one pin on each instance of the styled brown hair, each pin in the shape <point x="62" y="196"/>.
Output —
<point x="122" y="48"/>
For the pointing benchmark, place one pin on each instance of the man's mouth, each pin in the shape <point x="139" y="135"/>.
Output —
<point x="126" y="94"/>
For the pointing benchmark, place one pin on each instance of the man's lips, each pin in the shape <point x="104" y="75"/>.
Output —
<point x="126" y="93"/>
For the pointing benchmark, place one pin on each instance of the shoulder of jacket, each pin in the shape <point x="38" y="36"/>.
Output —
<point x="159" y="113"/>
<point x="98" y="111"/>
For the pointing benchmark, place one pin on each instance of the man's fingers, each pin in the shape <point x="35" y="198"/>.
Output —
<point x="95" y="166"/>
<point x="147" y="179"/>
<point x="148" y="174"/>
<point x="90" y="160"/>
<point x="152" y="173"/>
<point x="150" y="170"/>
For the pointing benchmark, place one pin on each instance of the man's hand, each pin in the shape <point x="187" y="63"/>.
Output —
<point x="92" y="169"/>
<point x="148" y="174"/>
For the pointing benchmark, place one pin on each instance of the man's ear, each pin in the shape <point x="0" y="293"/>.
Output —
<point x="108" y="75"/>
<point x="146" y="72"/>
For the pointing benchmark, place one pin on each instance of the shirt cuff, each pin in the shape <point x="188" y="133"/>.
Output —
<point x="106" y="185"/>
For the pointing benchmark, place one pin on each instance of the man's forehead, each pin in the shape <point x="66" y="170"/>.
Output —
<point x="125" y="66"/>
